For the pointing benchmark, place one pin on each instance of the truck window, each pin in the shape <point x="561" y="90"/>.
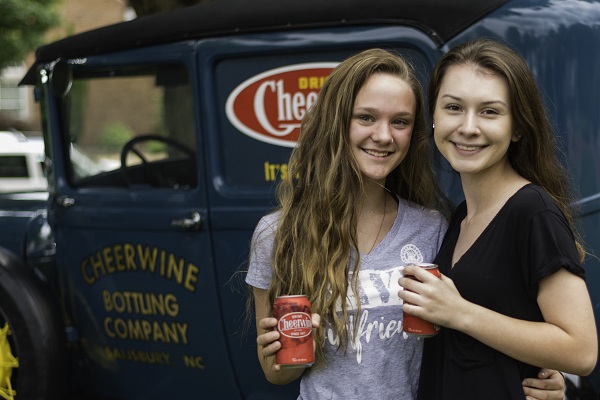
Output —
<point x="131" y="126"/>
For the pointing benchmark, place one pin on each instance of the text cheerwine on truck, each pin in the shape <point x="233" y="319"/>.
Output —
<point x="124" y="282"/>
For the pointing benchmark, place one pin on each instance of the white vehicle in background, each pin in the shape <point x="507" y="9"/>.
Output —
<point x="21" y="163"/>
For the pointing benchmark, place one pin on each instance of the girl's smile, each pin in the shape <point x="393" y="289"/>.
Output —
<point x="381" y="125"/>
<point x="473" y="121"/>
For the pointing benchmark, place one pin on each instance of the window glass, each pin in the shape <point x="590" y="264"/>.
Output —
<point x="13" y="167"/>
<point x="131" y="127"/>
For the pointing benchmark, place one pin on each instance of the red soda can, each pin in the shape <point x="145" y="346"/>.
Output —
<point x="294" y="324"/>
<point x="416" y="326"/>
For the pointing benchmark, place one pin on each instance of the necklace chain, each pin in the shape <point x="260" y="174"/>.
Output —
<point x="381" y="225"/>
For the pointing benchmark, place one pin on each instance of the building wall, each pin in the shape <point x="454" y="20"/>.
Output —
<point x="76" y="16"/>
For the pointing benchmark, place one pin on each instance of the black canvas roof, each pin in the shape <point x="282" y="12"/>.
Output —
<point x="441" y="19"/>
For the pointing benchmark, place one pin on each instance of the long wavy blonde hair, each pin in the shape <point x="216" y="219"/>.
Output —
<point x="319" y="202"/>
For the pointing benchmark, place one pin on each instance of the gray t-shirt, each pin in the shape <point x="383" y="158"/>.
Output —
<point x="381" y="361"/>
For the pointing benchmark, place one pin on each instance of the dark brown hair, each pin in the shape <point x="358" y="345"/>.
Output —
<point x="535" y="156"/>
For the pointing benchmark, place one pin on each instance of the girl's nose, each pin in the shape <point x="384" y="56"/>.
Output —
<point x="469" y="125"/>
<point x="382" y="133"/>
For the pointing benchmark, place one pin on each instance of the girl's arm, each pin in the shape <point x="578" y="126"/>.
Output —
<point x="566" y="341"/>
<point x="268" y="342"/>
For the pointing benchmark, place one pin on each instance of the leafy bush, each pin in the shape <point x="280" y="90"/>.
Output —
<point x="114" y="136"/>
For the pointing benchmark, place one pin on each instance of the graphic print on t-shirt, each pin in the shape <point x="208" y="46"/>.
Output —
<point x="377" y="288"/>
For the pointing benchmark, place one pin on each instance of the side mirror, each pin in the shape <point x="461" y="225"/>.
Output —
<point x="61" y="78"/>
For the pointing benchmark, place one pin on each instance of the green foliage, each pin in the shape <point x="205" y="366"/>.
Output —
<point x="23" y="24"/>
<point x="78" y="103"/>
<point x="155" y="147"/>
<point x="114" y="136"/>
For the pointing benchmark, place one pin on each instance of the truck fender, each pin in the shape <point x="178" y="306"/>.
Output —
<point x="32" y="337"/>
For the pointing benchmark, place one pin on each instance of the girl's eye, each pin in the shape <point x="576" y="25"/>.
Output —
<point x="452" y="107"/>
<point x="366" y="118"/>
<point x="490" y="111"/>
<point x="400" y="122"/>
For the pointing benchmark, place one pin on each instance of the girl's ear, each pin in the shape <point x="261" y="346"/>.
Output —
<point x="516" y="137"/>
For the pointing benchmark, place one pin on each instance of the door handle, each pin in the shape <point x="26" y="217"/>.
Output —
<point x="65" y="201"/>
<point x="189" y="223"/>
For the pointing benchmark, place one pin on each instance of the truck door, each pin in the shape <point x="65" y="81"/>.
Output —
<point x="133" y="242"/>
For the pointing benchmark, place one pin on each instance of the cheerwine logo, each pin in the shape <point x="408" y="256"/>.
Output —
<point x="295" y="325"/>
<point x="269" y="106"/>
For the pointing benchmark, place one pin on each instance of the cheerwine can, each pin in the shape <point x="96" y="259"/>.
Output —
<point x="416" y="326"/>
<point x="294" y="324"/>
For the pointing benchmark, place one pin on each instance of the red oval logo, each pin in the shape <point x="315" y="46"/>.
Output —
<point x="295" y="325"/>
<point x="269" y="106"/>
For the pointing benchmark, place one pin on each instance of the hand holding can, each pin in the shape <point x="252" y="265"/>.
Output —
<point x="294" y="323"/>
<point x="416" y="326"/>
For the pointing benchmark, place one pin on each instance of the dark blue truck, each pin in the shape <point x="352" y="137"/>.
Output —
<point x="126" y="283"/>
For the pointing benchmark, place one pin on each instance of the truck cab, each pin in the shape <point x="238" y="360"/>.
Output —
<point x="189" y="117"/>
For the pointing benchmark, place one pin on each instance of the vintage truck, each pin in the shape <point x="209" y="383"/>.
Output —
<point x="127" y="283"/>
